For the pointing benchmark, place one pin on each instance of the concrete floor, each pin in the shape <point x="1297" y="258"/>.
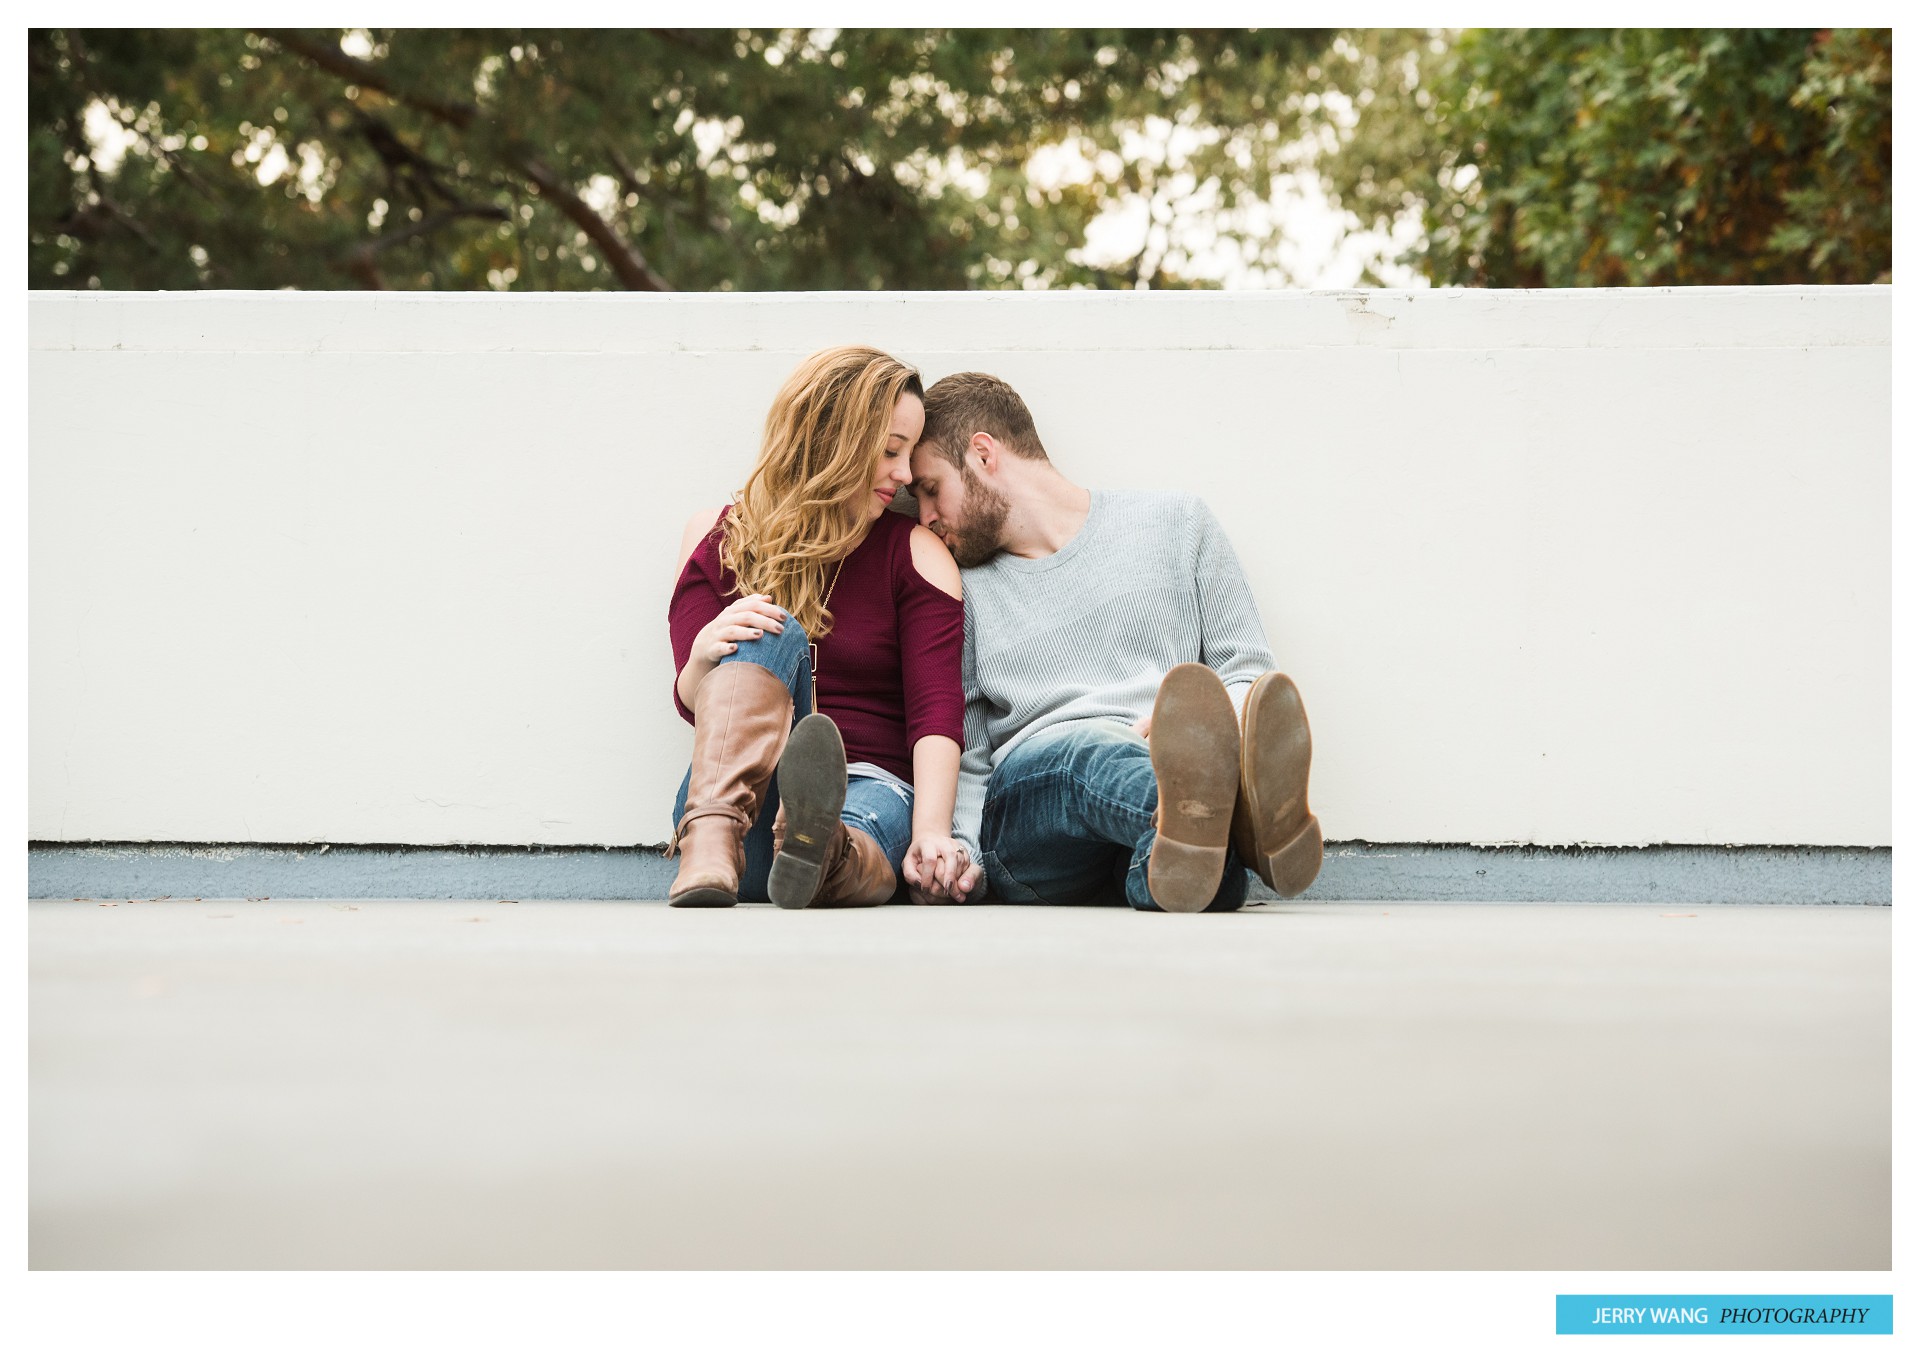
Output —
<point x="594" y="1084"/>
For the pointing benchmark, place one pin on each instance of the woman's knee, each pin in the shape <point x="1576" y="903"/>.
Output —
<point x="792" y="637"/>
<point x="780" y="652"/>
<point x="884" y="810"/>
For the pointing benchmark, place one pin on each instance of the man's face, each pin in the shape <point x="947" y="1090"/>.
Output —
<point x="959" y="506"/>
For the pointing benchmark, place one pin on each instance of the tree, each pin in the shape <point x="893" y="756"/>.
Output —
<point x="1624" y="157"/>
<point x="665" y="159"/>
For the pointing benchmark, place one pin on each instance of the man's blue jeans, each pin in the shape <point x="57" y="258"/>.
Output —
<point x="883" y="808"/>
<point x="1069" y="821"/>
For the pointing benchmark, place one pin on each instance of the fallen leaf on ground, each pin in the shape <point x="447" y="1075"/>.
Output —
<point x="259" y="898"/>
<point x="509" y="902"/>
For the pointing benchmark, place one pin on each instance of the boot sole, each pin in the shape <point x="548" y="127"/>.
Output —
<point x="1275" y="762"/>
<point x="710" y="898"/>
<point x="1195" y="744"/>
<point x="813" y="789"/>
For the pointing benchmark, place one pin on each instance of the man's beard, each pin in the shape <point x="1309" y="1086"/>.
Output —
<point x="983" y="512"/>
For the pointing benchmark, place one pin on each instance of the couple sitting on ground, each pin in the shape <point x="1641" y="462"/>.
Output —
<point x="1099" y="721"/>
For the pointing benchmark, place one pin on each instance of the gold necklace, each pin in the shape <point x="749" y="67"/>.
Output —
<point x="813" y="649"/>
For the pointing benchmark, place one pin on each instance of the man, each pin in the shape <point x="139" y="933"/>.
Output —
<point x="1125" y="730"/>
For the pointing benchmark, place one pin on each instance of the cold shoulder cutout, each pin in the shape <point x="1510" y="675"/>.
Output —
<point x="933" y="561"/>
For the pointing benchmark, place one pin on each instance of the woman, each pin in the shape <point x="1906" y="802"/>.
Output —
<point x="806" y="587"/>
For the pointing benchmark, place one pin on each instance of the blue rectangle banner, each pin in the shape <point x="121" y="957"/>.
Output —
<point x="1719" y="1315"/>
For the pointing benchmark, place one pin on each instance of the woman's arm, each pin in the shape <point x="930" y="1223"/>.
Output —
<point x="726" y="625"/>
<point x="936" y="778"/>
<point x="934" y="862"/>
<point x="932" y="561"/>
<point x="696" y="664"/>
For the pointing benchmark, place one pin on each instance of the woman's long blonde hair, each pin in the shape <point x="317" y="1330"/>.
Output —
<point x="803" y="509"/>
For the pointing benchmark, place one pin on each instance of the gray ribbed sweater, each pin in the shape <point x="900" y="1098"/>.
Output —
<point x="1089" y="632"/>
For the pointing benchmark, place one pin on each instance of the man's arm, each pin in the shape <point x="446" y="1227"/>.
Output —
<point x="976" y="765"/>
<point x="1232" y="639"/>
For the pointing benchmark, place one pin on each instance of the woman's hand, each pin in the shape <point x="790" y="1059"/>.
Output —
<point x="934" y="863"/>
<point x="741" y="622"/>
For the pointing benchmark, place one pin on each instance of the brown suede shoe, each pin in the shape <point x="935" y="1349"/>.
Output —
<point x="813" y="789"/>
<point x="1273" y="832"/>
<point x="740" y="717"/>
<point x="1195" y="744"/>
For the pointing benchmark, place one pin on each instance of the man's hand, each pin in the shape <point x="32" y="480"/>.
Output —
<point x="933" y="862"/>
<point x="938" y="871"/>
<point x="968" y="885"/>
<point x="1144" y="727"/>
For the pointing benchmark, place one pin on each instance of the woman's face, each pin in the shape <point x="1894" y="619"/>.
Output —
<point x="895" y="470"/>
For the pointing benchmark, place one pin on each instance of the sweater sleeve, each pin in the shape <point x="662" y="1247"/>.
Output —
<point x="932" y="633"/>
<point x="1232" y="640"/>
<point x="697" y="598"/>
<point x="976" y="756"/>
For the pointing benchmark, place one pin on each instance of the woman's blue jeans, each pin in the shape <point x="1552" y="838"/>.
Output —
<point x="1069" y="821"/>
<point x="882" y="807"/>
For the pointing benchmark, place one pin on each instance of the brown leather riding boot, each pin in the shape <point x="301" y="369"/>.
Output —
<point x="741" y="714"/>
<point x="813" y="789"/>
<point x="857" y="872"/>
<point x="1273" y="832"/>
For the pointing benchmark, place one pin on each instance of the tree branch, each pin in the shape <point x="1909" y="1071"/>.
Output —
<point x="664" y="201"/>
<point x="625" y="260"/>
<point x="363" y="260"/>
<point x="624" y="172"/>
<point x="369" y="76"/>
<point x="125" y="217"/>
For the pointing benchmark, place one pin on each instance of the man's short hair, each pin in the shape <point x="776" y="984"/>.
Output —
<point x="960" y="406"/>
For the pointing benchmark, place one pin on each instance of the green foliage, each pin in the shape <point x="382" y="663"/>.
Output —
<point x="791" y="159"/>
<point x="1842" y="220"/>
<point x="1625" y="157"/>
<point x="690" y="159"/>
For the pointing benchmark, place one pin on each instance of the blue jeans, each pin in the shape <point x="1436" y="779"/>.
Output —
<point x="1069" y="821"/>
<point x="882" y="807"/>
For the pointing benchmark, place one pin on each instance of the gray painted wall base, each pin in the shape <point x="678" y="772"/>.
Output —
<point x="1397" y="873"/>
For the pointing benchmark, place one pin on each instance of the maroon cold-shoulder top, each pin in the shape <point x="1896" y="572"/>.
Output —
<point x="889" y="672"/>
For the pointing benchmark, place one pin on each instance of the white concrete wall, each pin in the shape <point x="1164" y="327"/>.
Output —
<point x="1608" y="566"/>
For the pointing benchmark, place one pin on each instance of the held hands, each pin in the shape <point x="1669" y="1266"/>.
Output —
<point x="741" y="622"/>
<point x="938" y="870"/>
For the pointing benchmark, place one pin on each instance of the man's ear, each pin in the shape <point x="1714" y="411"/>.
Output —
<point x="987" y="450"/>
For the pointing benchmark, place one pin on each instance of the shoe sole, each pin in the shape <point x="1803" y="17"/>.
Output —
<point x="813" y="789"/>
<point x="710" y="898"/>
<point x="1195" y="744"/>
<point x="1275" y="762"/>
